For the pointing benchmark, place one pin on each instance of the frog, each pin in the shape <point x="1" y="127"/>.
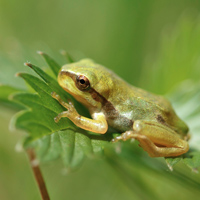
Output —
<point x="112" y="102"/>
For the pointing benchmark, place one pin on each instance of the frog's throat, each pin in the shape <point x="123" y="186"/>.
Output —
<point x="108" y="109"/>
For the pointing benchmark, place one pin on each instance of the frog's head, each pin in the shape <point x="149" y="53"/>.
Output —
<point x="87" y="81"/>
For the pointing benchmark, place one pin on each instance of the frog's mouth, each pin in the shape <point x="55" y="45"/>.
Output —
<point x="160" y="145"/>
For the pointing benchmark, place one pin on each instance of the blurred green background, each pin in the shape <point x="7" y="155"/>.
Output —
<point x="153" y="44"/>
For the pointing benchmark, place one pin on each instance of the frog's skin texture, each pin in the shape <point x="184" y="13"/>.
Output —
<point x="134" y="112"/>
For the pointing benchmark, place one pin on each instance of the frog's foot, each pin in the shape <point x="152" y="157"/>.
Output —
<point x="71" y="111"/>
<point x="97" y="125"/>
<point x="124" y="136"/>
<point x="58" y="98"/>
<point x="156" y="139"/>
<point x="154" y="150"/>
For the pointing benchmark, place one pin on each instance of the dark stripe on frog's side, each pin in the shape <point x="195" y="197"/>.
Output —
<point x="109" y="110"/>
<point x="107" y="106"/>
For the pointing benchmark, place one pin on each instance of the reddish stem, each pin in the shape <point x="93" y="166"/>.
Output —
<point x="38" y="175"/>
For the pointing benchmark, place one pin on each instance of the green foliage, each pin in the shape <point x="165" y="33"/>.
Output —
<point x="185" y="99"/>
<point x="177" y="58"/>
<point x="52" y="140"/>
<point x="125" y="36"/>
<point x="5" y="91"/>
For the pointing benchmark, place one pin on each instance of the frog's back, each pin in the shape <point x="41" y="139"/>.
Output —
<point x="142" y="105"/>
<point x="124" y="103"/>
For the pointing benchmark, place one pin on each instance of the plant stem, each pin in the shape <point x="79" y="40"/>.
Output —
<point x="38" y="175"/>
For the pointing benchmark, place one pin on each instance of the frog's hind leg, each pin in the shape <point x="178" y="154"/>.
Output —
<point x="156" y="139"/>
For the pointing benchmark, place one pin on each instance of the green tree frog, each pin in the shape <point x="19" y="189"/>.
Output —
<point x="132" y="111"/>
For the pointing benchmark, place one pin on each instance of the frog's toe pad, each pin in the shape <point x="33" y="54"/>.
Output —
<point x="57" y="119"/>
<point x="55" y="96"/>
<point x="117" y="139"/>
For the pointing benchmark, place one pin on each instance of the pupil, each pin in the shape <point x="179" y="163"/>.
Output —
<point x="82" y="81"/>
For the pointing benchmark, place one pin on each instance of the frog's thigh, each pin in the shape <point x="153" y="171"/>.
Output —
<point x="153" y="136"/>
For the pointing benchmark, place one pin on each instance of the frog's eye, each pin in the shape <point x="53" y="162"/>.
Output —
<point x="82" y="82"/>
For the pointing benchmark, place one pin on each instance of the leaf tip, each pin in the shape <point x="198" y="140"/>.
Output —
<point x="17" y="74"/>
<point x="66" y="55"/>
<point x="40" y="52"/>
<point x="12" y="125"/>
<point x="28" y="64"/>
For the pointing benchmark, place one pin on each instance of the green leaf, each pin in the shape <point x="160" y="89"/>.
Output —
<point x="67" y="56"/>
<point x="70" y="145"/>
<point x="185" y="99"/>
<point x="193" y="160"/>
<point x="171" y="162"/>
<point x="55" y="67"/>
<point x="5" y="92"/>
<point x="53" y="140"/>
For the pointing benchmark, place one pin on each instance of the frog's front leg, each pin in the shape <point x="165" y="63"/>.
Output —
<point x="157" y="139"/>
<point x="98" y="124"/>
